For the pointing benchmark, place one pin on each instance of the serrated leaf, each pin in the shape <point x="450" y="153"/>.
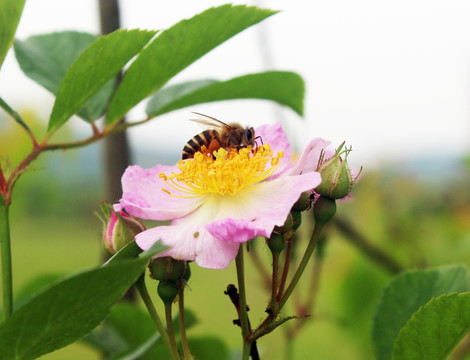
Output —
<point x="176" y="48"/>
<point x="405" y="294"/>
<point x="100" y="62"/>
<point x="435" y="329"/>
<point x="46" y="58"/>
<point x="68" y="310"/>
<point x="10" y="13"/>
<point x="285" y="88"/>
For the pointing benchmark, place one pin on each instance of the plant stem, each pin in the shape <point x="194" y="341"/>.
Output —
<point x="265" y="278"/>
<point x="285" y="270"/>
<point x="170" y="328"/>
<point x="303" y="263"/>
<point x="362" y="243"/>
<point x="140" y="284"/>
<point x="243" y="309"/>
<point x="184" y="341"/>
<point x="7" y="274"/>
<point x="275" y="280"/>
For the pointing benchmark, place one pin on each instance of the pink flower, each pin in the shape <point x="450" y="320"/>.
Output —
<point x="215" y="205"/>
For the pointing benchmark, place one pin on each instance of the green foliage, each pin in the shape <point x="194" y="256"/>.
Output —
<point x="405" y="294"/>
<point x="208" y="348"/>
<point x="68" y="310"/>
<point x="46" y="58"/>
<point x="284" y="87"/>
<point x="99" y="63"/>
<point x="176" y="48"/>
<point x="10" y="13"/>
<point x="129" y="333"/>
<point x="435" y="329"/>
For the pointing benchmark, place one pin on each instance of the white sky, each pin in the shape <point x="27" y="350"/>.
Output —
<point x="390" y="78"/>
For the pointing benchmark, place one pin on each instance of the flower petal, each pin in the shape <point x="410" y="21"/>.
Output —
<point x="257" y="209"/>
<point x="143" y="196"/>
<point x="309" y="159"/>
<point x="189" y="240"/>
<point x="277" y="140"/>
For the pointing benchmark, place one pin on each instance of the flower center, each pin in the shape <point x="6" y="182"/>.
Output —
<point x="224" y="173"/>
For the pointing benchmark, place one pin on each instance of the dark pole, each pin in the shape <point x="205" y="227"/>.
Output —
<point x="116" y="147"/>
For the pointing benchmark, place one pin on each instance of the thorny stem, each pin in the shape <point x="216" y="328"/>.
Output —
<point x="265" y="278"/>
<point x="308" y="307"/>
<point x="242" y="301"/>
<point x="285" y="270"/>
<point x="303" y="263"/>
<point x="170" y="328"/>
<point x="275" y="281"/>
<point x="184" y="341"/>
<point x="140" y="284"/>
<point x="7" y="276"/>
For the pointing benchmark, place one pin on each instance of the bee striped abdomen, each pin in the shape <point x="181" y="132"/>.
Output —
<point x="194" y="144"/>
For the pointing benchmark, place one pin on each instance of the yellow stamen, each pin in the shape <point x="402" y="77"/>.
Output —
<point x="226" y="174"/>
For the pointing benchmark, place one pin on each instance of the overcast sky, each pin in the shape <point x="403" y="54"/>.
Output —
<point x="390" y="78"/>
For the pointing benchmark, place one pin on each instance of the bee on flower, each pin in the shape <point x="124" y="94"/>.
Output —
<point x="217" y="202"/>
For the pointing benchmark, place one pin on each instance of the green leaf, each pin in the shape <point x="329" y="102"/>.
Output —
<point x="136" y="332"/>
<point x="100" y="62"/>
<point x="129" y="251"/>
<point x="405" y="294"/>
<point x="435" y="329"/>
<point x="176" y="48"/>
<point x="285" y="88"/>
<point x="46" y="58"/>
<point x="68" y="310"/>
<point x="14" y="115"/>
<point x="10" y="13"/>
<point x="208" y="348"/>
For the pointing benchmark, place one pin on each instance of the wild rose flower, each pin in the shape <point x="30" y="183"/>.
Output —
<point x="215" y="205"/>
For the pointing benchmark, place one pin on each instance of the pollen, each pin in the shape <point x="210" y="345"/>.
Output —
<point x="225" y="173"/>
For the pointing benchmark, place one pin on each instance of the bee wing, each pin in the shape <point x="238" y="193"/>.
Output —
<point x="209" y="121"/>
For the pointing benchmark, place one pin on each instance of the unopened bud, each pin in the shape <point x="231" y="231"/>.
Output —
<point x="276" y="243"/>
<point x="167" y="290"/>
<point x="119" y="229"/>
<point x="336" y="176"/>
<point x="304" y="202"/>
<point x="168" y="269"/>
<point x="324" y="210"/>
<point x="296" y="219"/>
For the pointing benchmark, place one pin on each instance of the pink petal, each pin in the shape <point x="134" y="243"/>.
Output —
<point x="189" y="240"/>
<point x="257" y="209"/>
<point x="277" y="139"/>
<point x="309" y="159"/>
<point x="143" y="196"/>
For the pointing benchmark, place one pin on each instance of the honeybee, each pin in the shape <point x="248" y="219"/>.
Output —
<point x="222" y="135"/>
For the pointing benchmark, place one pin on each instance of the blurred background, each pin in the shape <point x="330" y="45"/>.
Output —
<point x="392" y="79"/>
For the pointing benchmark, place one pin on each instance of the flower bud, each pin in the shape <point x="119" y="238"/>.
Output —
<point x="336" y="176"/>
<point x="168" y="269"/>
<point x="304" y="202"/>
<point x="119" y="228"/>
<point x="276" y="243"/>
<point x="167" y="290"/>
<point x="296" y="219"/>
<point x="324" y="210"/>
